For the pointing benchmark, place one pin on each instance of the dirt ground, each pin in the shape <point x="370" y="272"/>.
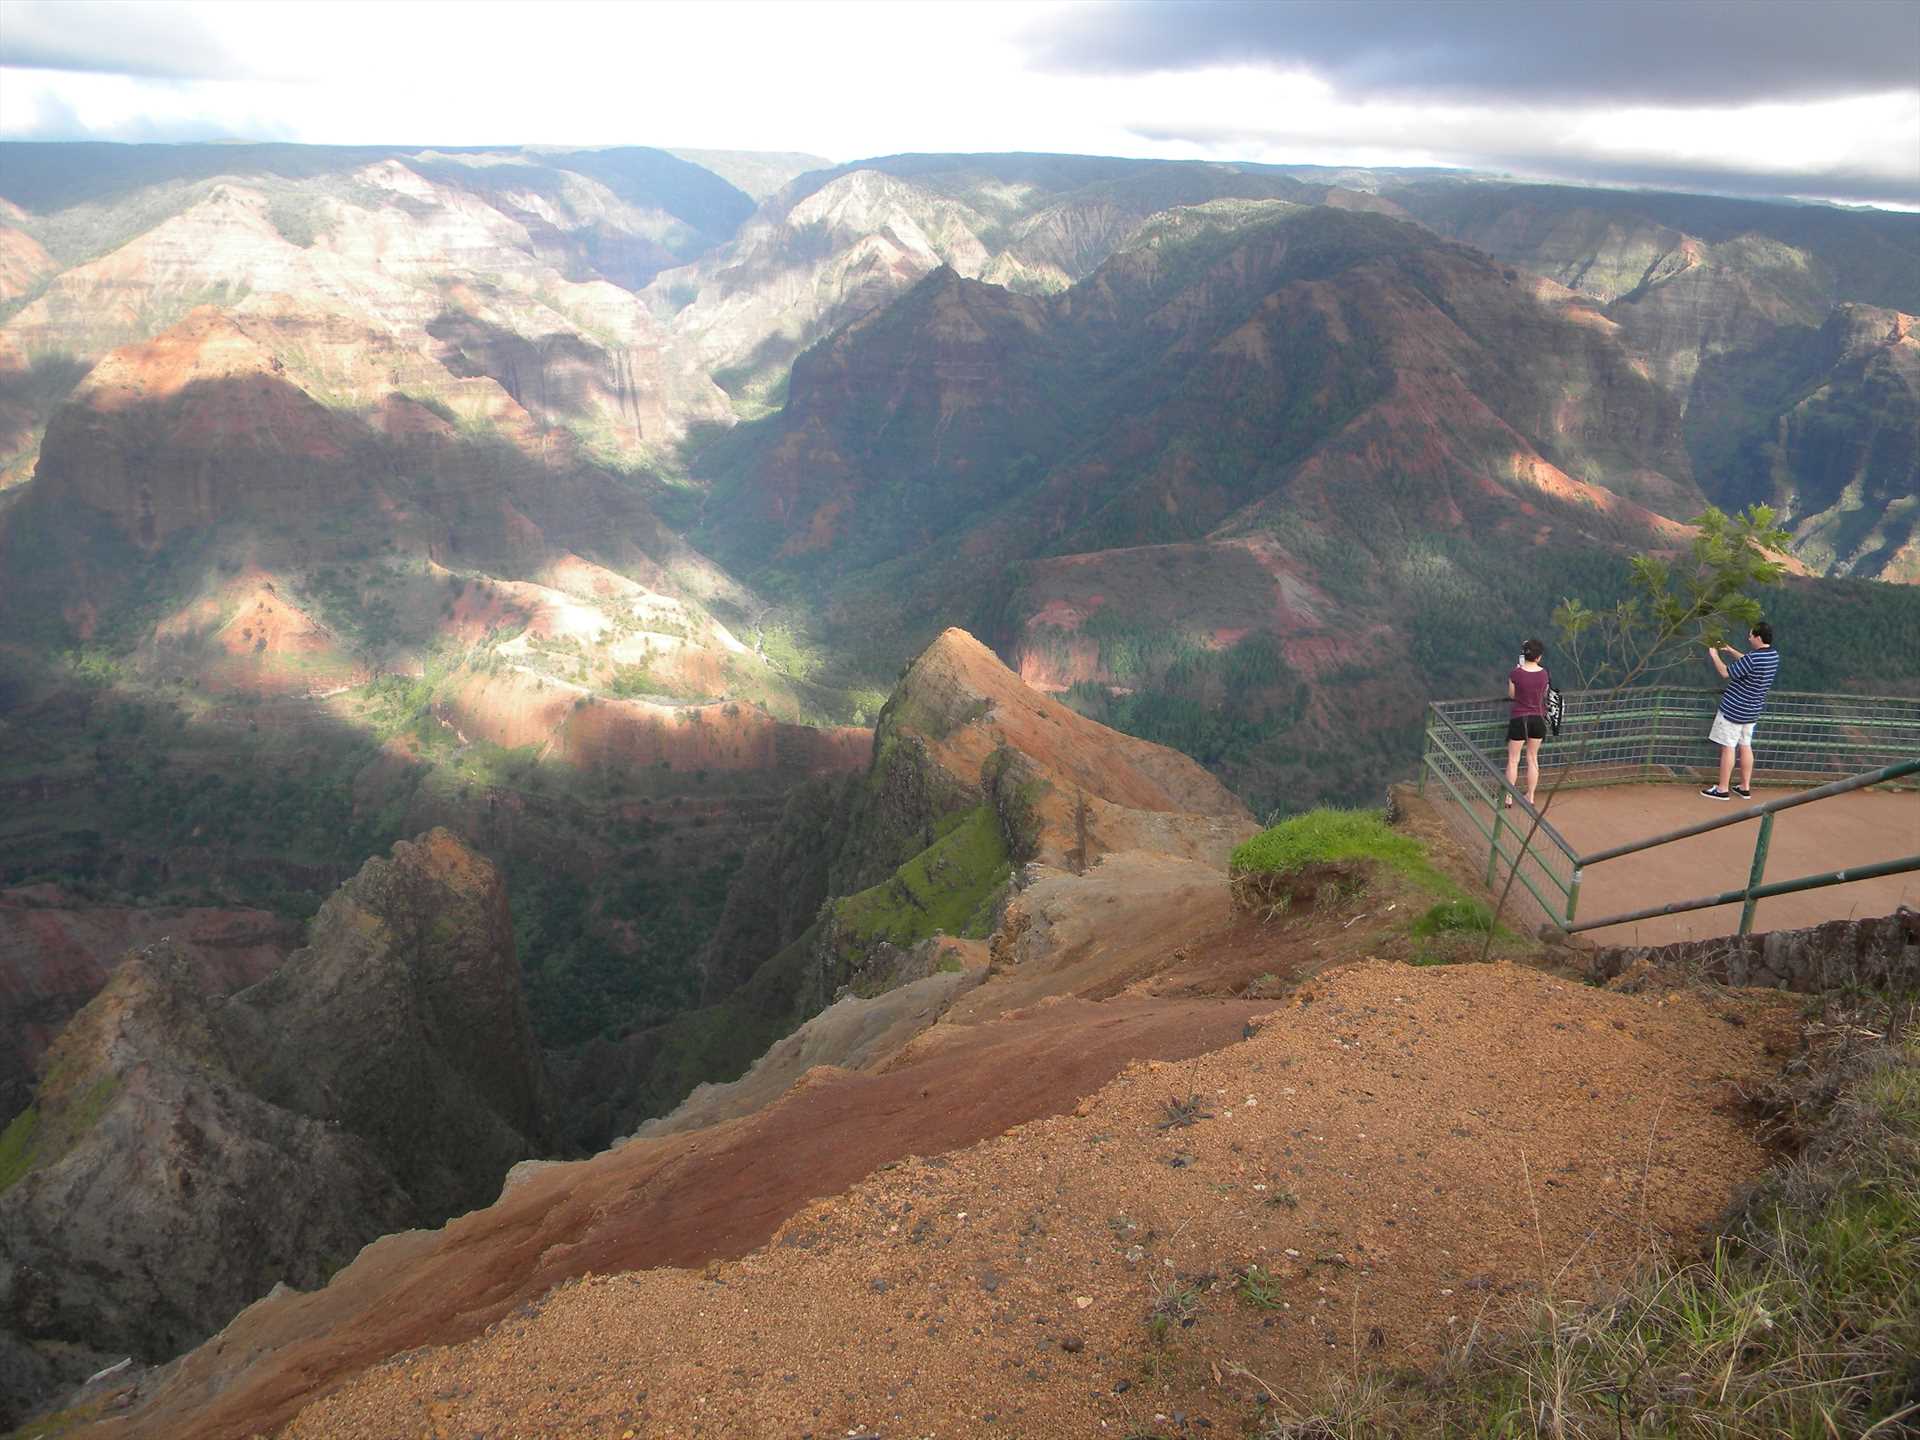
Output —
<point x="1405" y="1153"/>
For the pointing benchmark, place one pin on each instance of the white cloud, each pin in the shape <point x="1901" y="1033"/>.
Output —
<point x="849" y="80"/>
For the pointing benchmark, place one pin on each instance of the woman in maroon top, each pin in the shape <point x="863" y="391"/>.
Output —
<point x="1526" y="717"/>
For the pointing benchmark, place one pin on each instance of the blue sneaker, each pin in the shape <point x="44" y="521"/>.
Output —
<point x="1714" y="792"/>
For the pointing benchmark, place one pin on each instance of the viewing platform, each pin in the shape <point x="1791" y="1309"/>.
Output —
<point x="1634" y="765"/>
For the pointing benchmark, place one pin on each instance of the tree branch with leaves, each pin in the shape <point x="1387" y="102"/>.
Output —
<point x="1675" y="605"/>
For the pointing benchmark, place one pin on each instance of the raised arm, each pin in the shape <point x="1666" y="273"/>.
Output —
<point x="1713" y="654"/>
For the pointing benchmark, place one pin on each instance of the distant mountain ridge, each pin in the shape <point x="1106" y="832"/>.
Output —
<point x="53" y="177"/>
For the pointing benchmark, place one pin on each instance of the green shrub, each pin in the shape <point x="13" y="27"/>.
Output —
<point x="1325" y="836"/>
<point x="1450" y="916"/>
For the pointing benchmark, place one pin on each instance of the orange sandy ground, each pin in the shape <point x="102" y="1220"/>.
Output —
<point x="1410" y="1151"/>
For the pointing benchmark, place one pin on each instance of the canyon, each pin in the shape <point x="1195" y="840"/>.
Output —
<point x="587" y="550"/>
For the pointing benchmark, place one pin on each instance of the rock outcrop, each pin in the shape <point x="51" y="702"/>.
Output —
<point x="1881" y="953"/>
<point x="188" y="1150"/>
<point x="403" y="1022"/>
<point x="974" y="776"/>
<point x="160" y="1193"/>
<point x="57" y="952"/>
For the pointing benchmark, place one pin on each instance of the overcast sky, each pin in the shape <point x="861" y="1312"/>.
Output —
<point x="1742" y="96"/>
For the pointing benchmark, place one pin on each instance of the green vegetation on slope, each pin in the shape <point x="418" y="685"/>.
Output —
<point x="1220" y="706"/>
<point x="1330" y="856"/>
<point x="947" y="889"/>
<point x="1326" y="836"/>
<point x="37" y="1136"/>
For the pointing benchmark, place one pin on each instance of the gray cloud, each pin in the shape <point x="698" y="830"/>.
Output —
<point x="162" y="41"/>
<point x="1572" y="52"/>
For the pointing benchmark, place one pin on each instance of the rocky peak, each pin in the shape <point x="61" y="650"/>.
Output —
<point x="403" y="1020"/>
<point x="1078" y="788"/>
<point x="1855" y="332"/>
<point x="188" y="1150"/>
<point x="148" y="1194"/>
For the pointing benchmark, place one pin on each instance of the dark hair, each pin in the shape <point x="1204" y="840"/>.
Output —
<point x="1763" y="630"/>
<point x="1532" y="650"/>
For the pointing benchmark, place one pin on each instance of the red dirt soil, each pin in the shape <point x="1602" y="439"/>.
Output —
<point x="1414" y="1151"/>
<point x="682" y="1200"/>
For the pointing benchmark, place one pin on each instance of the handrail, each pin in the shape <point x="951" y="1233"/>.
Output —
<point x="1522" y="801"/>
<point x="1659" y="689"/>
<point x="1752" y="893"/>
<point x="1491" y="835"/>
<point x="1752" y="812"/>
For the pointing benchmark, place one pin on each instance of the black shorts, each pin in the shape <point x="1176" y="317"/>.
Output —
<point x="1527" y="727"/>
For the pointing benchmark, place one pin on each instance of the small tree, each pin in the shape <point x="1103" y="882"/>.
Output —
<point x="1673" y="606"/>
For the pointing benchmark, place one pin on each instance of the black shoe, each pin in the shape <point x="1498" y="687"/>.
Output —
<point x="1714" y="792"/>
<point x="1743" y="794"/>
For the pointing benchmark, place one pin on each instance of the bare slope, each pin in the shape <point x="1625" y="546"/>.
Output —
<point x="1412" y="1153"/>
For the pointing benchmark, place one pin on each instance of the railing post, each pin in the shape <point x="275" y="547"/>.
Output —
<point x="1758" y="872"/>
<point x="1426" y="753"/>
<point x="1653" y="735"/>
<point x="1573" y="893"/>
<point x="1493" y="844"/>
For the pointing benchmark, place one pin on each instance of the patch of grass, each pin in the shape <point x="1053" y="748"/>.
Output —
<point x="16" y="1147"/>
<point x="1452" y="916"/>
<point x="944" y="890"/>
<point x="1259" y="1288"/>
<point x="1173" y="1310"/>
<point x="1328" y="836"/>
<point x="38" y="1137"/>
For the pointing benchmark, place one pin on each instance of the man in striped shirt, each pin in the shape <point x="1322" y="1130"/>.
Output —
<point x="1748" y="680"/>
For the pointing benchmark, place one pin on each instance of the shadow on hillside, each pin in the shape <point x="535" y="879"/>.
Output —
<point x="124" y="783"/>
<point x="43" y="384"/>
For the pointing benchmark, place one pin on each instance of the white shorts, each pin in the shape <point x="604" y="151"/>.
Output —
<point x="1725" y="732"/>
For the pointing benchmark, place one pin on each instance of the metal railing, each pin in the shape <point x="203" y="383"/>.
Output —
<point x="1548" y="867"/>
<point x="1660" y="735"/>
<point x="1755" y="890"/>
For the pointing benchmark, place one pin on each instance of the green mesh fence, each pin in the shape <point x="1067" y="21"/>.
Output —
<point x="1656" y="734"/>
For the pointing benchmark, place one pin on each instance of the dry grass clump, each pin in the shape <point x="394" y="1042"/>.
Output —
<point x="1802" y="1321"/>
